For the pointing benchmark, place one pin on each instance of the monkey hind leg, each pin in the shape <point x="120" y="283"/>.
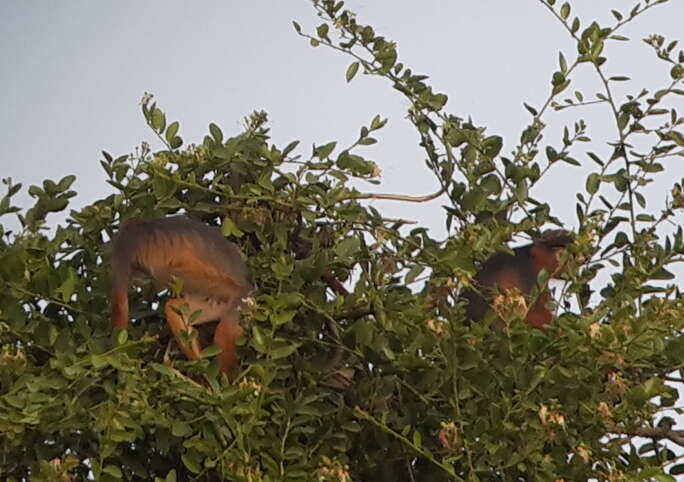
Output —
<point x="120" y="308"/>
<point x="227" y="331"/>
<point x="178" y="323"/>
<point x="539" y="314"/>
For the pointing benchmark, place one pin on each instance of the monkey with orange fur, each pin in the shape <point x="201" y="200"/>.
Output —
<point x="214" y="278"/>
<point x="519" y="271"/>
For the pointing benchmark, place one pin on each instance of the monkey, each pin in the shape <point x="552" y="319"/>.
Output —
<point x="504" y="271"/>
<point x="214" y="278"/>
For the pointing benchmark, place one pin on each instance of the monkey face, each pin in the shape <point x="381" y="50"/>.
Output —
<point x="549" y="250"/>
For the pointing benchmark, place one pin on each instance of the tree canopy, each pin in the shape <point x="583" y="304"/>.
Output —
<point x="357" y="361"/>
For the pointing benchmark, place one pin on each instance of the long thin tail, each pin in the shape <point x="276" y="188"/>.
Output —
<point x="121" y="261"/>
<point x="120" y="306"/>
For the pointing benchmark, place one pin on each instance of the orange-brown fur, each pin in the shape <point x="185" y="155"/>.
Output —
<point x="519" y="271"/>
<point x="210" y="269"/>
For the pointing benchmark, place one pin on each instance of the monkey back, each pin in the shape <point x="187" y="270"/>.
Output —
<point x="180" y="247"/>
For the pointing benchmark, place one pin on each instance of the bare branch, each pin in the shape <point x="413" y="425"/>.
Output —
<point x="401" y="197"/>
<point x="658" y="433"/>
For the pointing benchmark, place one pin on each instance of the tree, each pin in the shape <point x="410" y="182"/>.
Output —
<point x="387" y="381"/>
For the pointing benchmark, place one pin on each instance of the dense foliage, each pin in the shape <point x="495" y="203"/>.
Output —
<point x="387" y="382"/>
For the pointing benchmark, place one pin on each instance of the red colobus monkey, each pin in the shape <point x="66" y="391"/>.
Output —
<point x="214" y="277"/>
<point x="505" y="272"/>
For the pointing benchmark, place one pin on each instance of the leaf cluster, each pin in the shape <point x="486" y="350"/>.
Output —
<point x="384" y="379"/>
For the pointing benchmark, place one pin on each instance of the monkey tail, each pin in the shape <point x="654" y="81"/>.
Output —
<point x="121" y="263"/>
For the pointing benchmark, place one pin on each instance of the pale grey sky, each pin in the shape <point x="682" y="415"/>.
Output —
<point x="74" y="72"/>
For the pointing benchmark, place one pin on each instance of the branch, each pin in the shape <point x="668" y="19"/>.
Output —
<point x="658" y="433"/>
<point x="355" y="314"/>
<point x="333" y="283"/>
<point x="401" y="197"/>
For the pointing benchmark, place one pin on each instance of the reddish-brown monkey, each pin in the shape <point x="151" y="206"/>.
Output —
<point x="213" y="275"/>
<point x="504" y="271"/>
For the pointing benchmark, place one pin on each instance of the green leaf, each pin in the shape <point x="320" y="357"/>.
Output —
<point x="171" y="476"/>
<point x="531" y="109"/>
<point x="191" y="461"/>
<point x="557" y="89"/>
<point x="180" y="429"/>
<point x="282" y="267"/>
<point x="216" y="133"/>
<point x="662" y="274"/>
<point x="413" y="273"/>
<point x="593" y="182"/>
<point x="491" y="184"/>
<point x="257" y="339"/>
<point x="99" y="361"/>
<point x="122" y="337"/>
<point x="562" y="62"/>
<point x="290" y="147"/>
<point x="521" y="192"/>
<point x="158" y="120"/>
<point x="322" y="152"/>
<point x="322" y="31"/>
<point x="163" y="369"/>
<point x="211" y="351"/>
<point x="64" y="184"/>
<point x="113" y="470"/>
<point x="575" y="25"/>
<point x="377" y="123"/>
<point x="284" y="351"/>
<point x="387" y="58"/>
<point x="435" y="101"/>
<point x="68" y="286"/>
<point x="351" y="71"/>
<point x="171" y="131"/>
<point x="472" y="199"/>
<point x="348" y="247"/>
<point x="565" y="11"/>
<point x="176" y="142"/>
<point x="417" y="439"/>
<point x="646" y="218"/>
<point x="492" y="146"/>
<point x="675" y="136"/>
<point x="229" y="228"/>
<point x="282" y="317"/>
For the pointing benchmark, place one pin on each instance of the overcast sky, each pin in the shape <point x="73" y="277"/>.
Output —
<point x="74" y="72"/>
